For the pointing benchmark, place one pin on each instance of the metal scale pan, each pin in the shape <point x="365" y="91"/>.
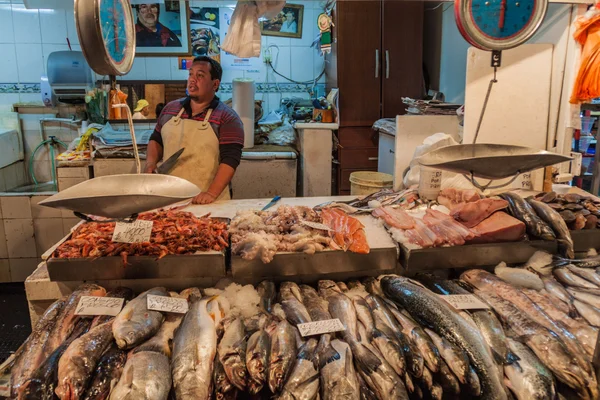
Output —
<point x="490" y="161"/>
<point x="121" y="196"/>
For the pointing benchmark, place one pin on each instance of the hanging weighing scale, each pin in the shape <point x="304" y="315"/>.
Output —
<point x="494" y="25"/>
<point x="107" y="35"/>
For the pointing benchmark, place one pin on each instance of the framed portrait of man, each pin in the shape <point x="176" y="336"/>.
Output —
<point x="288" y="23"/>
<point x="161" y="28"/>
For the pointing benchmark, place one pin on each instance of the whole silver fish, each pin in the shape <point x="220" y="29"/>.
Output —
<point x="79" y="361"/>
<point x="424" y="343"/>
<point x="328" y="288"/>
<point x="289" y="291"/>
<point x="317" y="307"/>
<point x="519" y="277"/>
<point x="364" y="315"/>
<point x="454" y="357"/>
<point x="342" y="287"/>
<point x="194" y="350"/>
<point x="303" y="383"/>
<point x="267" y="292"/>
<point x="587" y="274"/>
<point x="586" y="334"/>
<point x="257" y="360"/>
<point x="492" y="331"/>
<point x="553" y="218"/>
<point x="435" y="313"/>
<point x="489" y="283"/>
<point x="567" y="277"/>
<point x="341" y="307"/>
<point x="295" y="311"/>
<point x="528" y="378"/>
<point x="135" y="323"/>
<point x="338" y="377"/>
<point x="448" y="380"/>
<point x="386" y="322"/>
<point x="545" y="344"/>
<point x="146" y="376"/>
<point x="585" y="297"/>
<point x="558" y="291"/>
<point x="283" y="354"/>
<point x="590" y="313"/>
<point x="107" y="374"/>
<point x="232" y="353"/>
<point x="390" y="350"/>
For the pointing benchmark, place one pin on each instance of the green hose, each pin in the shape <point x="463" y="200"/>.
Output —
<point x="52" y="141"/>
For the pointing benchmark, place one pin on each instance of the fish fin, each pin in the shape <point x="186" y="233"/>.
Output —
<point x="329" y="355"/>
<point x="365" y="359"/>
<point x="511" y="358"/>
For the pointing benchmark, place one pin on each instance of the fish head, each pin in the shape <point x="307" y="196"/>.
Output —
<point x="126" y="340"/>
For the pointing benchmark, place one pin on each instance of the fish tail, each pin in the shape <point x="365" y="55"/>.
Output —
<point x="365" y="360"/>
<point x="329" y="355"/>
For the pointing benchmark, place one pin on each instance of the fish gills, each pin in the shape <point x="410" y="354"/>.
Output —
<point x="433" y="312"/>
<point x="80" y="359"/>
<point x="135" y="323"/>
<point x="232" y="353"/>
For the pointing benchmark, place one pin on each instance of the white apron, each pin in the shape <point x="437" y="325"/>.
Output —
<point x="200" y="160"/>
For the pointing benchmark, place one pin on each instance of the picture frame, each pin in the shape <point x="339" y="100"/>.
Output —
<point x="288" y="23"/>
<point x="172" y="38"/>
<point x="205" y="32"/>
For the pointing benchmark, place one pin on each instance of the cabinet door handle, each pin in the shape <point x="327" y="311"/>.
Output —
<point x="387" y="64"/>
<point x="373" y="158"/>
<point x="376" y="63"/>
<point x="392" y="151"/>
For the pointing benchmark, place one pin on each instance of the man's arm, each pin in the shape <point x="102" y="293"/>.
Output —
<point x="221" y="182"/>
<point x="154" y="153"/>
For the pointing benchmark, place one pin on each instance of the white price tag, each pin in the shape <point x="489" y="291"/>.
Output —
<point x="167" y="304"/>
<point x="92" y="305"/>
<point x="465" y="302"/>
<point x="138" y="231"/>
<point x="320" y="327"/>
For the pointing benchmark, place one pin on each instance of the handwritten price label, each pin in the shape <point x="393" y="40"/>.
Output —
<point x="138" y="231"/>
<point x="320" y="327"/>
<point x="465" y="302"/>
<point x="316" y="225"/>
<point x="92" y="305"/>
<point x="167" y="304"/>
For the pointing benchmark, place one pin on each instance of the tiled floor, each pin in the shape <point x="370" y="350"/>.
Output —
<point x="14" y="318"/>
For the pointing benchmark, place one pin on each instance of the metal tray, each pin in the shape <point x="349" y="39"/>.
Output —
<point x="491" y="161"/>
<point x="586" y="239"/>
<point x="205" y="264"/>
<point x="288" y="265"/>
<point x="472" y="255"/>
<point x="120" y="196"/>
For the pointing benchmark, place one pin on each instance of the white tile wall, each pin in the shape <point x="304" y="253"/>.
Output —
<point x="27" y="37"/>
<point x="26" y="24"/>
<point x="7" y="34"/>
<point x="30" y="62"/>
<point x="53" y="24"/>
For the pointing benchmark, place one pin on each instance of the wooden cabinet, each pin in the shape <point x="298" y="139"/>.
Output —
<point x="376" y="59"/>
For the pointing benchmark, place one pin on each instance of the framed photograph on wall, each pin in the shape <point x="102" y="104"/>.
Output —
<point x="288" y="23"/>
<point x="205" y="33"/>
<point x="161" y="29"/>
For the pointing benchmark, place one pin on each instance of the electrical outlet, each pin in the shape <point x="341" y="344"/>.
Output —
<point x="267" y="56"/>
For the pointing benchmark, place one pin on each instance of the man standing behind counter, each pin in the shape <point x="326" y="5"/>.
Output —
<point x="211" y="133"/>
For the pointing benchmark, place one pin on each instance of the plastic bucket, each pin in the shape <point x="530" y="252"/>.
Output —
<point x="365" y="182"/>
<point x="586" y="124"/>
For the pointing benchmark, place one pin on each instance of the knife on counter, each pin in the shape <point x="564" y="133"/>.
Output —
<point x="271" y="203"/>
<point x="170" y="162"/>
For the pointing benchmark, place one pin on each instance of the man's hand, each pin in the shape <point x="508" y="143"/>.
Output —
<point x="150" y="169"/>
<point x="204" y="198"/>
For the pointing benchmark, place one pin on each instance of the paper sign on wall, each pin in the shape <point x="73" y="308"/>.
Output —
<point x="320" y="327"/>
<point x="167" y="304"/>
<point x="138" y="231"/>
<point x="93" y="305"/>
<point x="465" y="302"/>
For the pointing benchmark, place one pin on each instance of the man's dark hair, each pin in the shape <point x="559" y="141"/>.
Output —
<point x="216" y="71"/>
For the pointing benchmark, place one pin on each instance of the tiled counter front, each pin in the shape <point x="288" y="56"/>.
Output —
<point x="27" y="230"/>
